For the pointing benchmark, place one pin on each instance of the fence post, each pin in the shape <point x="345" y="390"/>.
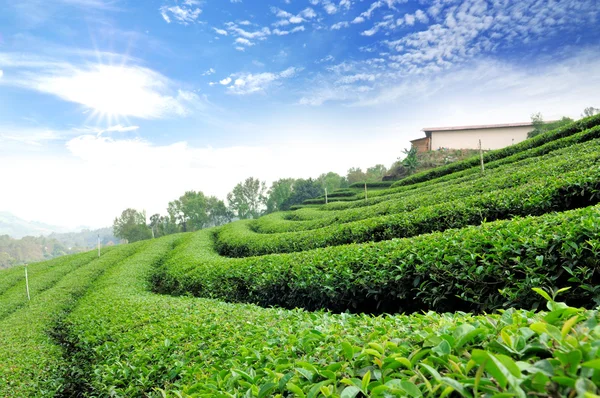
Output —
<point x="481" y="157"/>
<point x="27" y="283"/>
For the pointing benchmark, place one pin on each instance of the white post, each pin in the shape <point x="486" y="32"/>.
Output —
<point x="481" y="157"/>
<point x="325" y="195"/>
<point x="98" y="245"/>
<point x="27" y="283"/>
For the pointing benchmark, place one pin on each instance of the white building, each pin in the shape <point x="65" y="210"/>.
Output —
<point x="492" y="136"/>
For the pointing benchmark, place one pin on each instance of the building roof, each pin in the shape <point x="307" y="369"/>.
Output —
<point x="419" y="139"/>
<point x="477" y="127"/>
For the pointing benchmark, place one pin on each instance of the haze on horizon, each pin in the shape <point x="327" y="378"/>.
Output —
<point x="109" y="104"/>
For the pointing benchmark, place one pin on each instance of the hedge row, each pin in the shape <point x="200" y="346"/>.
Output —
<point x="521" y="158"/>
<point x="130" y="342"/>
<point x="372" y="184"/>
<point x="549" y="166"/>
<point x="41" y="277"/>
<point x="30" y="359"/>
<point x="480" y="268"/>
<point x="490" y="156"/>
<point x="571" y="190"/>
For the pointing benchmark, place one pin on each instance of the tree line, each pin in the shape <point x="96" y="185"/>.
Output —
<point x="248" y="199"/>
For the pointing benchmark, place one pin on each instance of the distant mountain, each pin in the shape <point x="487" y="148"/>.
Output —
<point x="17" y="228"/>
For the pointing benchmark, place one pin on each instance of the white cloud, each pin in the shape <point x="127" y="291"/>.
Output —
<point x="282" y="22"/>
<point x="242" y="41"/>
<point x="410" y="19"/>
<point x="296" y="19"/>
<point x="370" y="32"/>
<point x="209" y="72"/>
<point x="279" y="13"/>
<point x="308" y="13"/>
<point x="358" y="20"/>
<point x="127" y="90"/>
<point x="248" y="83"/>
<point x="1" y="73"/>
<point x="259" y="34"/>
<point x="239" y="48"/>
<point x="298" y="29"/>
<point x="184" y="14"/>
<point x="345" y="4"/>
<point x="329" y="7"/>
<point x="280" y="32"/>
<point x="245" y="23"/>
<point x="225" y="81"/>
<point x="339" y="25"/>
<point x="220" y="31"/>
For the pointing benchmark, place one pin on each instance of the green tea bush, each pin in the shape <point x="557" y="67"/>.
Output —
<point x="139" y="344"/>
<point x="568" y="191"/>
<point x="471" y="269"/>
<point x="41" y="277"/>
<point x="519" y="159"/>
<point x="30" y="359"/>
<point x="549" y="166"/>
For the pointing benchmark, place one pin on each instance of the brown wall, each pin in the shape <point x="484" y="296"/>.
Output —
<point x="421" y="144"/>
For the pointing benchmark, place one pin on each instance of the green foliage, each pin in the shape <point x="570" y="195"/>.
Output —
<point x="192" y="212"/>
<point x="574" y="189"/>
<point x="531" y="170"/>
<point x="476" y="269"/>
<point x="332" y="181"/>
<point x="590" y="111"/>
<point x="376" y="172"/>
<point x="31" y="360"/>
<point x="303" y="190"/>
<point x="131" y="225"/>
<point x="540" y="127"/>
<point x="140" y="344"/>
<point x="280" y="191"/>
<point x="355" y="174"/>
<point x="247" y="198"/>
<point x="410" y="161"/>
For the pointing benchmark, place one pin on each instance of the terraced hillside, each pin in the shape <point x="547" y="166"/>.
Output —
<point x="448" y="283"/>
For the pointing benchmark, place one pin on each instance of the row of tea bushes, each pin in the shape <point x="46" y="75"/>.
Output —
<point x="571" y="190"/>
<point x="521" y="159"/>
<point x="31" y="359"/>
<point x="550" y="166"/>
<point x="41" y="277"/>
<point x="130" y="342"/>
<point x="494" y="265"/>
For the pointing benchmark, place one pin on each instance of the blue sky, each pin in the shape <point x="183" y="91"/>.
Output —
<point x="108" y="104"/>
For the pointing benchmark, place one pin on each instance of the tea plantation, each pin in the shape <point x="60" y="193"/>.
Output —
<point x="448" y="283"/>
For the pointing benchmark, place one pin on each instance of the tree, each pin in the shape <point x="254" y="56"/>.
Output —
<point x="332" y="181"/>
<point x="280" y="191"/>
<point x="218" y="213"/>
<point x="376" y="172"/>
<point x="410" y="161"/>
<point x="590" y="111"/>
<point x="539" y="126"/>
<point x="303" y="190"/>
<point x="190" y="211"/>
<point x="131" y="226"/>
<point x="355" y="174"/>
<point x="247" y="199"/>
